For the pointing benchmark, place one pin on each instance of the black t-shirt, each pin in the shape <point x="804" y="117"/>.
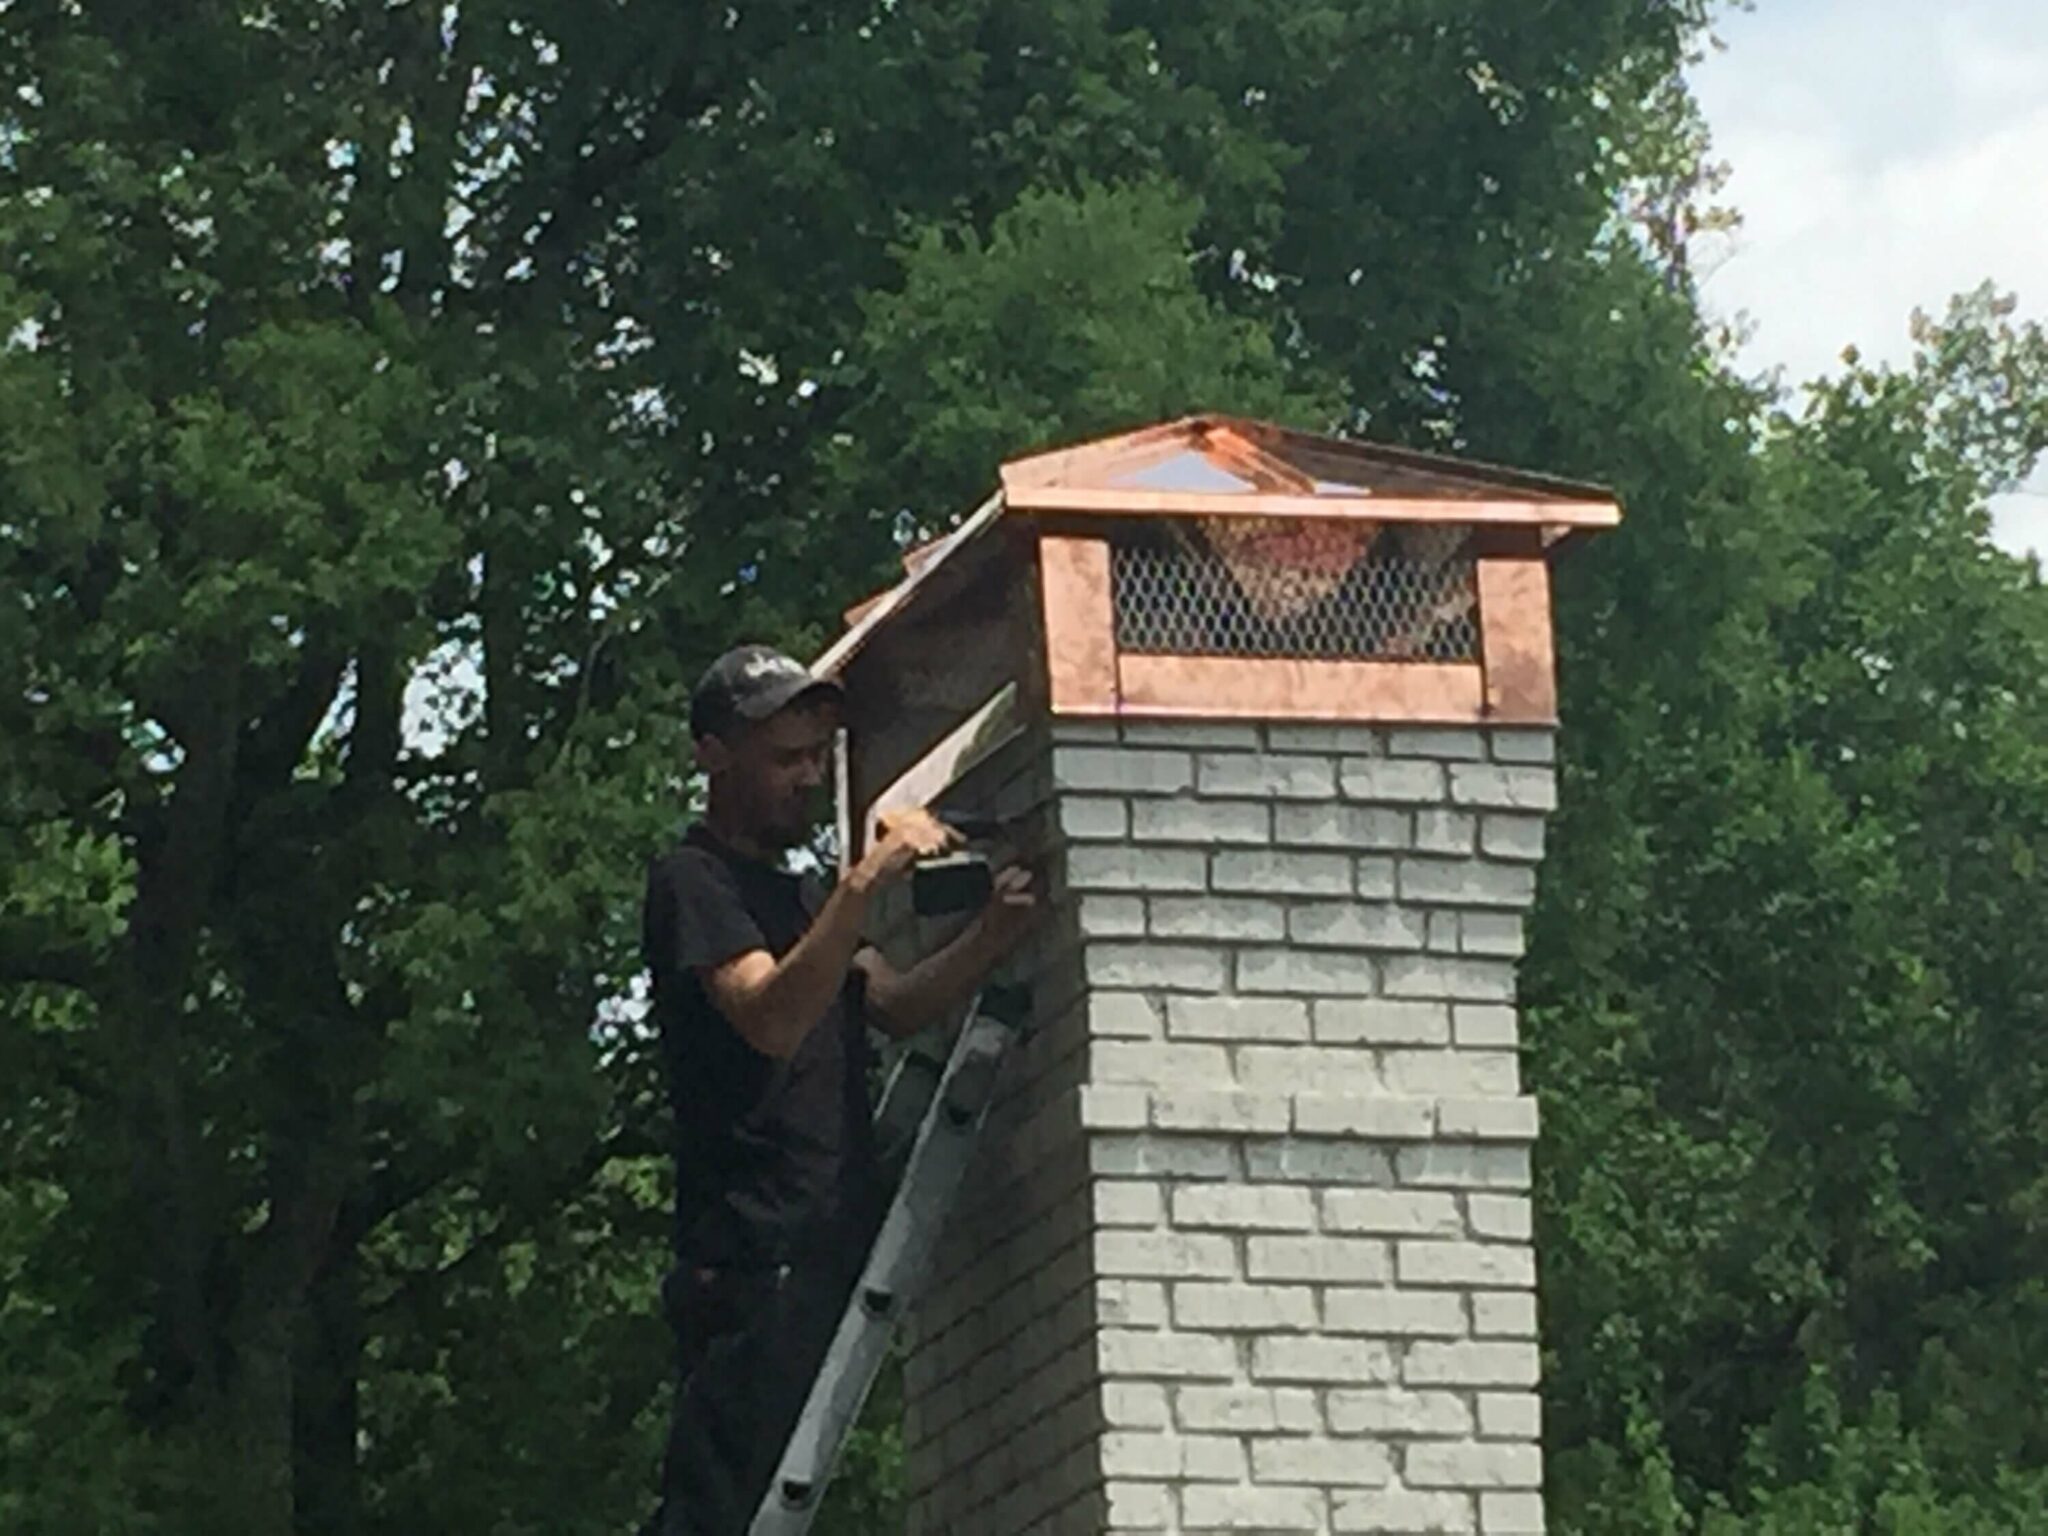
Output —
<point x="774" y="1159"/>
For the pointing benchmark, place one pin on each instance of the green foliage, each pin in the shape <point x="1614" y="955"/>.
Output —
<point x="398" y="404"/>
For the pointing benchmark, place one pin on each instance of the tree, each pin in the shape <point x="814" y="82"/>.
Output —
<point x="1791" y="1191"/>
<point x="400" y="402"/>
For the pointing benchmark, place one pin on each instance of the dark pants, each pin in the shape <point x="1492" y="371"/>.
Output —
<point x="749" y="1344"/>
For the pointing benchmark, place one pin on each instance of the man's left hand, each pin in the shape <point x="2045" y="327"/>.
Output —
<point x="1013" y="910"/>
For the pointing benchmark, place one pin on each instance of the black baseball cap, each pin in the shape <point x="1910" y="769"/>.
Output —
<point x="752" y="682"/>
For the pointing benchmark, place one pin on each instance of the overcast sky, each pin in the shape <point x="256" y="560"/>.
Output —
<point x="1886" y="154"/>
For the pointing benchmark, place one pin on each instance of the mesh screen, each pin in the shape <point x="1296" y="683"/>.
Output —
<point x="1318" y="589"/>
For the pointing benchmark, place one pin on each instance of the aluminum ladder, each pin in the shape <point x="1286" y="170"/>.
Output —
<point x="948" y="1114"/>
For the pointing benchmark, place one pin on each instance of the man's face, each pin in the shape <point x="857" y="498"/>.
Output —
<point x="775" y="772"/>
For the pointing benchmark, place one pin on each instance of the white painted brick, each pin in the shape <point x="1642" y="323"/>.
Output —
<point x="1319" y="1260"/>
<point x="1500" y="1216"/>
<point x="1398" y="1212"/>
<point x="1121" y="867"/>
<point x="1163" y="1255"/>
<point x="1511" y="1415"/>
<point x="1504" y="1314"/>
<point x="1470" y="1074"/>
<point x="1362" y="740"/>
<point x="1176" y="1157"/>
<point x="1114" y="1107"/>
<point x="1307" y="1069"/>
<point x="1220" y="1109"/>
<point x="1487" y="1119"/>
<point x="1112" y="917"/>
<point x="1463" y="980"/>
<point x="1181" y="967"/>
<point x="1263" y="777"/>
<point x="1070" y="730"/>
<point x="1512" y="837"/>
<point x="1403" y="1512"/>
<point x="1463" y="1167"/>
<point x="1374" y="877"/>
<point x="1208" y="1507"/>
<point x="1511" y="1514"/>
<point x="1342" y="826"/>
<point x="1218" y="917"/>
<point x="1446" y="832"/>
<point x="1233" y="1410"/>
<point x="1319" y="1162"/>
<point x="1390" y="779"/>
<point x="1130" y="1303"/>
<point x="1509" y="789"/>
<point x="1430" y="741"/>
<point x="1469" y="1464"/>
<point x="1379" y="1021"/>
<point x="1443" y="931"/>
<point x="1191" y="733"/>
<point x="1137" y="1506"/>
<point x="1484" y="1024"/>
<point x="1330" y="973"/>
<point x="1491" y="933"/>
<point x="1246" y="1410"/>
<point x="1237" y="1018"/>
<point x="1203" y="822"/>
<point x="1174" y="1065"/>
<point x="1327" y="1463"/>
<point x="1199" y="1307"/>
<point x="1128" y="1203"/>
<point x="1467" y="882"/>
<point x="1376" y="1117"/>
<point x="1270" y="872"/>
<point x="1348" y="1362"/>
<point x="1122" y="770"/>
<point x="1092" y="818"/>
<point x="1348" y="923"/>
<point x="1123" y="1016"/>
<point x="1245" y="1207"/>
<point x="1202" y="1458"/>
<point x="1507" y="1265"/>
<point x="1538" y="745"/>
<point x="1134" y="1405"/>
<point x="1127" y="1352"/>
<point x="1470" y="1365"/>
<point x="1392" y="1411"/>
<point x="1436" y="1314"/>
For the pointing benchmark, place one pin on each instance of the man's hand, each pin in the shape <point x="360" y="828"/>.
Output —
<point x="1012" y="912"/>
<point x="906" y="836"/>
<point x="932" y="991"/>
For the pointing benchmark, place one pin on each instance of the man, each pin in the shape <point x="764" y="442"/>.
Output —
<point x="764" y="992"/>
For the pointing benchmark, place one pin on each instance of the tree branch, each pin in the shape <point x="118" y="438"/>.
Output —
<point x="631" y="1140"/>
<point x="26" y="960"/>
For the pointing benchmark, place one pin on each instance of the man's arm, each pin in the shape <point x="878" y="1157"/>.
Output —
<point x="774" y="1004"/>
<point x="901" y="1003"/>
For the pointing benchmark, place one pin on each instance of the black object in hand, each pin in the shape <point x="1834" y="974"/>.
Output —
<point x="953" y="882"/>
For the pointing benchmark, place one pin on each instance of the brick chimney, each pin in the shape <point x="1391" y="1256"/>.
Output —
<point x="1247" y="1245"/>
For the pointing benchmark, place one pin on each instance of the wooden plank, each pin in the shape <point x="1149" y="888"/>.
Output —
<point x="1264" y="688"/>
<point x="983" y="733"/>
<point x="1381" y="509"/>
<point x="1080" y="627"/>
<point x="1515" y="640"/>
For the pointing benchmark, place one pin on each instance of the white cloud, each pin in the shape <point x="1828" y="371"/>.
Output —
<point x="1886" y="154"/>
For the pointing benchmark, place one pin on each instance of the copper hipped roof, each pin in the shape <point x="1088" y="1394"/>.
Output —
<point x="1213" y="466"/>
